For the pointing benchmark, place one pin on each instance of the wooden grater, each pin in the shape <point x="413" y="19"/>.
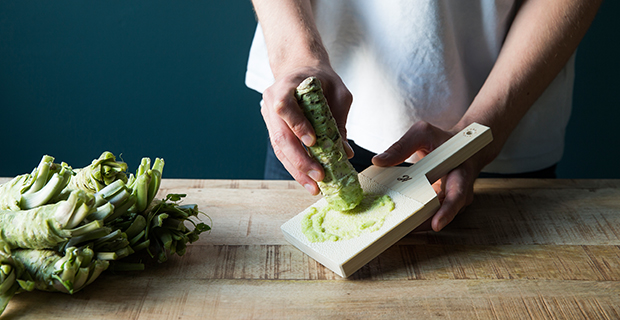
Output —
<point x="410" y="189"/>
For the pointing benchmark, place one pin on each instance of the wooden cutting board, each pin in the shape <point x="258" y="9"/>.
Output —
<point x="411" y="190"/>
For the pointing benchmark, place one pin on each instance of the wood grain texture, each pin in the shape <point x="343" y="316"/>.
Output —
<point x="525" y="249"/>
<point x="157" y="298"/>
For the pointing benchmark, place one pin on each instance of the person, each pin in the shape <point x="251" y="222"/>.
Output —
<point x="402" y="77"/>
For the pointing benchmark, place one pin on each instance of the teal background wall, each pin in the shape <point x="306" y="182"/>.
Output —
<point x="166" y="79"/>
<point x="592" y="141"/>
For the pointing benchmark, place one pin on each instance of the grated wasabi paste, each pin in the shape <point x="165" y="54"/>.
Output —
<point x="331" y="224"/>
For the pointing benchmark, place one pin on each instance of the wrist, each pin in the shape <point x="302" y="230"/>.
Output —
<point x="304" y="54"/>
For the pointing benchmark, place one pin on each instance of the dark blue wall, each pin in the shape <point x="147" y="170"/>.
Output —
<point x="137" y="78"/>
<point x="592" y="142"/>
<point x="166" y="79"/>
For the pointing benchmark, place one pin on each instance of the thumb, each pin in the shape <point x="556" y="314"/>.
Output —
<point x="345" y="143"/>
<point x="422" y="137"/>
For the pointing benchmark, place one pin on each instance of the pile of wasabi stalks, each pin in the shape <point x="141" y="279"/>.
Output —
<point x="61" y="228"/>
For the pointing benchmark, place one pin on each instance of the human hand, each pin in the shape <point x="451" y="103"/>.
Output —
<point x="455" y="190"/>
<point x="289" y="129"/>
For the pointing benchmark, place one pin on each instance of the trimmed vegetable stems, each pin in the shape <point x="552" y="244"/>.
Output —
<point x="60" y="228"/>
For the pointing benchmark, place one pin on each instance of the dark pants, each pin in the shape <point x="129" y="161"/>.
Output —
<point x="274" y="170"/>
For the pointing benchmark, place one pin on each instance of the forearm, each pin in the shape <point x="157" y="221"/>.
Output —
<point x="296" y="52"/>
<point x="290" y="34"/>
<point x="540" y="41"/>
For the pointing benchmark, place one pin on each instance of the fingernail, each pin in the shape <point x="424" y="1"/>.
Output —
<point x="348" y="149"/>
<point x="309" y="187"/>
<point x="441" y="224"/>
<point x="315" y="175"/>
<point x="307" y="140"/>
<point x="381" y="156"/>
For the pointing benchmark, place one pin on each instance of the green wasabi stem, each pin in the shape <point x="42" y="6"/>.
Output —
<point x="41" y="173"/>
<point x="145" y="184"/>
<point x="87" y="237"/>
<point x="115" y="255"/>
<point x="10" y="272"/>
<point x="174" y="224"/>
<point x="7" y="278"/>
<point x="81" y="277"/>
<point x="105" y="194"/>
<point x="114" y="190"/>
<point x="164" y="237"/>
<point x="137" y="226"/>
<point x="107" y="239"/>
<point x="106" y="256"/>
<point x="10" y="192"/>
<point x="157" y="170"/>
<point x="95" y="270"/>
<point x="141" y="190"/>
<point x="130" y="230"/>
<point x="61" y="175"/>
<point x="141" y="246"/>
<point x="166" y="227"/>
<point x="87" y="228"/>
<point x="46" y="226"/>
<point x="180" y="248"/>
<point x="100" y="173"/>
<point x="133" y="242"/>
<point x="114" y="241"/>
<point x="123" y="209"/>
<point x="66" y="273"/>
<point x="81" y="212"/>
<point x="124" y="252"/>
<point x="340" y="187"/>
<point x="158" y="220"/>
<point x="40" y="187"/>
<point x="119" y="197"/>
<point x="102" y="212"/>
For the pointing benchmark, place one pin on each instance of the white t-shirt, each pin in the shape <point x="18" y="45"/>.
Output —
<point x="406" y="61"/>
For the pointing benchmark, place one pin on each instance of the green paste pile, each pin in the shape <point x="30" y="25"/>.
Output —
<point x="62" y="227"/>
<point x="349" y="212"/>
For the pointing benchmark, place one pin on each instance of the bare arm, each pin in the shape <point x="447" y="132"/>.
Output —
<point x="540" y="41"/>
<point x="295" y="52"/>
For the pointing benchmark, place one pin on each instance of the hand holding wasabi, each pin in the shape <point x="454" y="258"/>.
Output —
<point x="340" y="187"/>
<point x="290" y="131"/>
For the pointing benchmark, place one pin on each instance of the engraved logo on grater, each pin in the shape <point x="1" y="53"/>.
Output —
<point x="404" y="178"/>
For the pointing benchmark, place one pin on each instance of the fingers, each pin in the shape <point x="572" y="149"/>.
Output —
<point x="457" y="193"/>
<point x="422" y="137"/>
<point x="455" y="190"/>
<point x="289" y="130"/>
<point x="348" y="149"/>
<point x="425" y="226"/>
<point x="280" y="100"/>
<point x="291" y="152"/>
